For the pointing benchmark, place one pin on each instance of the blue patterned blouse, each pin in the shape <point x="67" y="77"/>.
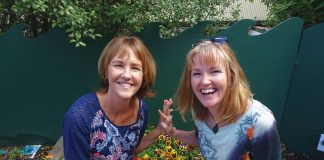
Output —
<point x="89" y="134"/>
<point x="253" y="136"/>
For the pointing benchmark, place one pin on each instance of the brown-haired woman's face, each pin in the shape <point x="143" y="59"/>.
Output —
<point x="208" y="82"/>
<point x="125" y="75"/>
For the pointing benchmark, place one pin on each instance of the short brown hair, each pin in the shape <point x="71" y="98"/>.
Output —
<point x="120" y="45"/>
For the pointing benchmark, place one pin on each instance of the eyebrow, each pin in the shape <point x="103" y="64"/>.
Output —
<point x="117" y="61"/>
<point x="216" y="67"/>
<point x="122" y="61"/>
<point x="137" y="65"/>
<point x="210" y="68"/>
<point x="195" y="70"/>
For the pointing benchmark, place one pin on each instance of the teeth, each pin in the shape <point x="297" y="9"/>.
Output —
<point x="207" y="91"/>
<point x="125" y="84"/>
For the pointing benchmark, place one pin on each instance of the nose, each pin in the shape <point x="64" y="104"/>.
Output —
<point x="205" y="79"/>
<point x="126" y="73"/>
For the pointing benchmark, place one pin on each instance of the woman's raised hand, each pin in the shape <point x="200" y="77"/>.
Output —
<point x="166" y="118"/>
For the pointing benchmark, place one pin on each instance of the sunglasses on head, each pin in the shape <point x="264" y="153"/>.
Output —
<point x="217" y="40"/>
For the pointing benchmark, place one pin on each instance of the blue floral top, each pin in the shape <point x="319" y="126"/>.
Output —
<point x="89" y="134"/>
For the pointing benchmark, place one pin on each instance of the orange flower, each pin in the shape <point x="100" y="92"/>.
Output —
<point x="49" y="156"/>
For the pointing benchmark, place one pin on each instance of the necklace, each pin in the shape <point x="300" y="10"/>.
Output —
<point x="215" y="128"/>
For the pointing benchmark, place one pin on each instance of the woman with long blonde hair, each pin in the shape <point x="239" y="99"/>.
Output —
<point x="229" y="123"/>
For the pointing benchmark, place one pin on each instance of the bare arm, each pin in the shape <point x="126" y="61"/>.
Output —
<point x="160" y="129"/>
<point x="148" y="140"/>
<point x="187" y="137"/>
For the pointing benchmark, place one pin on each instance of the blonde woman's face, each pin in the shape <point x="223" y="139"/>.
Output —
<point x="208" y="82"/>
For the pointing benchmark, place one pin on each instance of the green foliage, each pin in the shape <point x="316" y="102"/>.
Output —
<point x="71" y="15"/>
<point x="92" y="19"/>
<point x="216" y="26"/>
<point x="311" y="11"/>
<point x="39" y="23"/>
<point x="15" y="153"/>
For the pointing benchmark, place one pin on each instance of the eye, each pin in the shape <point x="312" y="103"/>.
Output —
<point x="195" y="74"/>
<point x="137" y="68"/>
<point x="216" y="71"/>
<point x="118" y="65"/>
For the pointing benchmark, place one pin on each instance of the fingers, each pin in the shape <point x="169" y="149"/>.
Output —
<point x="166" y="106"/>
<point x="165" y="122"/>
<point x="164" y="126"/>
<point x="168" y="102"/>
<point x="165" y="117"/>
<point x="167" y="128"/>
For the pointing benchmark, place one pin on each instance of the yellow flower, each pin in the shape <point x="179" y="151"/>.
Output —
<point x="169" y="148"/>
<point x="146" y="156"/>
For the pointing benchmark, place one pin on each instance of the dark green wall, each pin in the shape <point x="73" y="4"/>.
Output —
<point x="303" y="121"/>
<point x="41" y="78"/>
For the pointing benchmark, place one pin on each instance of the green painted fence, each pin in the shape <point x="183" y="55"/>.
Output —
<point x="40" y="78"/>
<point x="303" y="120"/>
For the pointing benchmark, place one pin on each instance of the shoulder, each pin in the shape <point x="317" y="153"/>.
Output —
<point x="83" y="107"/>
<point x="261" y="110"/>
<point x="143" y="113"/>
<point x="261" y="116"/>
<point x="200" y="125"/>
<point x="87" y="99"/>
<point x="143" y="106"/>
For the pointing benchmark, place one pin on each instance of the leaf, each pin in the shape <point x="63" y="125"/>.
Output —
<point x="35" y="6"/>
<point x="72" y="41"/>
<point x="98" y="35"/>
<point x="82" y="44"/>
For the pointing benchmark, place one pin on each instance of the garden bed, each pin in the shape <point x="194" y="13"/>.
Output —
<point x="165" y="148"/>
<point x="44" y="150"/>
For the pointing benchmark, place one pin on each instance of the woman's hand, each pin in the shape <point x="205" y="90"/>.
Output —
<point x="165" y="123"/>
<point x="162" y="127"/>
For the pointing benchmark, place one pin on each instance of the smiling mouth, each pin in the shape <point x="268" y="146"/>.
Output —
<point x="126" y="85"/>
<point x="208" y="91"/>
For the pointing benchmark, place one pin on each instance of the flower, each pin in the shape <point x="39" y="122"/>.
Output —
<point x="168" y="148"/>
